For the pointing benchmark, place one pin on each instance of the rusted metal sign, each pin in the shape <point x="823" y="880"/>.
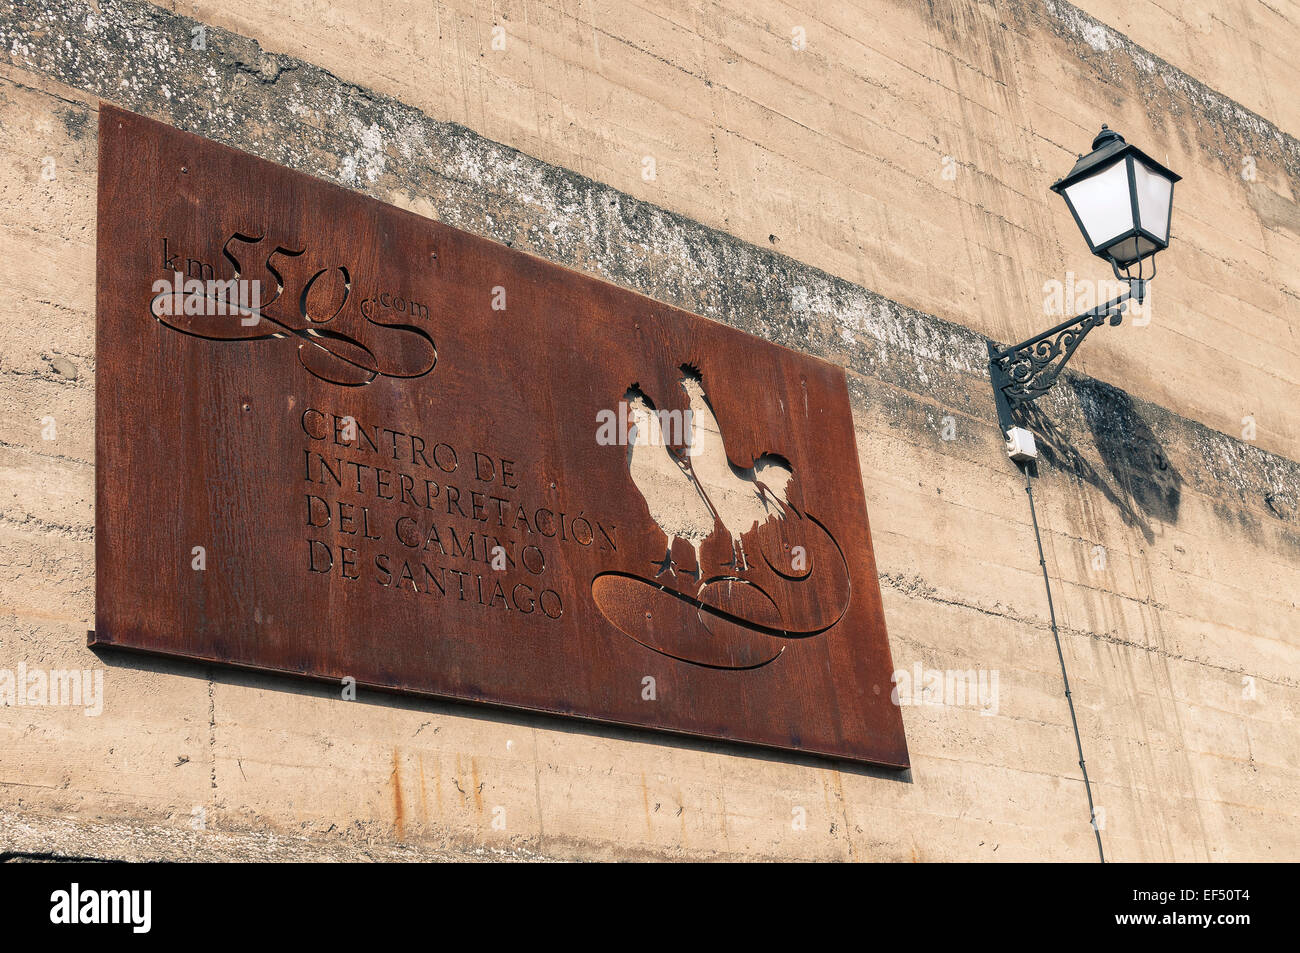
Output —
<point x="338" y="440"/>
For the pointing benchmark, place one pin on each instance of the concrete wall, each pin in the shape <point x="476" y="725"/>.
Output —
<point x="877" y="199"/>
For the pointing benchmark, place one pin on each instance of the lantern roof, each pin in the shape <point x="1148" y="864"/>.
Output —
<point x="1108" y="146"/>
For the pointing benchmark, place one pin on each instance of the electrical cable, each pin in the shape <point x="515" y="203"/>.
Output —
<point x="1078" y="742"/>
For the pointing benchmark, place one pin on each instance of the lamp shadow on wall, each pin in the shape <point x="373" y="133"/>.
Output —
<point x="1141" y="482"/>
<point x="476" y="711"/>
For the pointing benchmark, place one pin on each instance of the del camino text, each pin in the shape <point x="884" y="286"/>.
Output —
<point x="483" y="499"/>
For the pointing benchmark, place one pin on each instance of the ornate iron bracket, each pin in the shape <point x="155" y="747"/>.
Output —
<point x="1026" y="371"/>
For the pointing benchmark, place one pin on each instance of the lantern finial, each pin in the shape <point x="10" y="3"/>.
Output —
<point x="1107" y="135"/>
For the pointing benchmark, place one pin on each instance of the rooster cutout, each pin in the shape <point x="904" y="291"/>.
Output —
<point x="791" y="581"/>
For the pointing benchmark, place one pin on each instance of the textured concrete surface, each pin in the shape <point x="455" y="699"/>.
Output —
<point x="1242" y="48"/>
<point x="822" y="221"/>
<point x="28" y="840"/>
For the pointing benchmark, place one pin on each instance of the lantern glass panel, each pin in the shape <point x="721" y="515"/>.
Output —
<point x="1103" y="204"/>
<point x="1154" y="193"/>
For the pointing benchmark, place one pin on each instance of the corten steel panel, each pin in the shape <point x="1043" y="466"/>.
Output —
<point x="329" y="554"/>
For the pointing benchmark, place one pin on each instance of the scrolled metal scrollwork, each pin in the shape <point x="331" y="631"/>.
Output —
<point x="1025" y="371"/>
<point x="1030" y="369"/>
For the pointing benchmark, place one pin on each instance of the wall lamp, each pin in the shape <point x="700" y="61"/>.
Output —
<point x="1122" y="200"/>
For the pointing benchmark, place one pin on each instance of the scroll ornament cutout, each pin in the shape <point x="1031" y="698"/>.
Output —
<point x="312" y="305"/>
